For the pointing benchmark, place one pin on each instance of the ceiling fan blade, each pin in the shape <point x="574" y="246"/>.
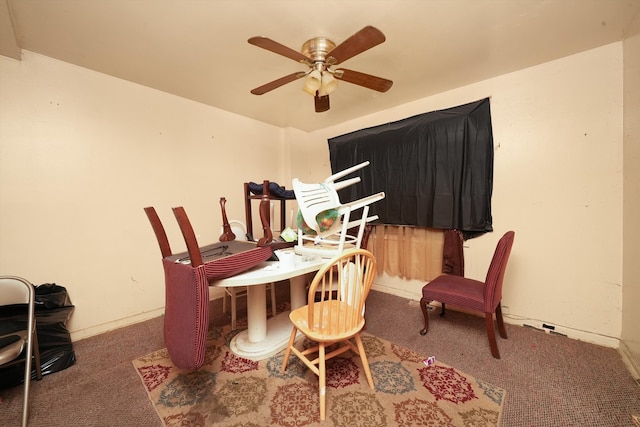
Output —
<point x="364" y="39"/>
<point x="321" y="103"/>
<point x="362" y="79"/>
<point x="277" y="83"/>
<point x="280" y="49"/>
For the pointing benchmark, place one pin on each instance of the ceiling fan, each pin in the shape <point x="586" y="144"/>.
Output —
<point x="321" y="55"/>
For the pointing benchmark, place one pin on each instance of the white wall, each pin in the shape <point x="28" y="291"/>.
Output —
<point x="557" y="183"/>
<point x="631" y="197"/>
<point x="82" y="153"/>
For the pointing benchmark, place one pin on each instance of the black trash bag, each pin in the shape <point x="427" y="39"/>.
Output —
<point x="53" y="309"/>
<point x="50" y="295"/>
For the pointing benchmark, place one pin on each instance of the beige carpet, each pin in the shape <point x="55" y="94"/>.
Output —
<point x="233" y="391"/>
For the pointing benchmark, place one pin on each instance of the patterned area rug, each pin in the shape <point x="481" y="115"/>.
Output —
<point x="233" y="391"/>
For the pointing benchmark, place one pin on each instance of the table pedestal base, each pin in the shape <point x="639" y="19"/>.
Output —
<point x="278" y="334"/>
<point x="263" y="338"/>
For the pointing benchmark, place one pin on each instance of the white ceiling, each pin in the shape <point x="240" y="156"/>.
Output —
<point x="198" y="49"/>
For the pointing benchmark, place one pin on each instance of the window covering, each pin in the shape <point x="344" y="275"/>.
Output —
<point x="436" y="169"/>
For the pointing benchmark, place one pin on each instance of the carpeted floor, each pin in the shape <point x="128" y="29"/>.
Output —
<point x="233" y="391"/>
<point x="550" y="380"/>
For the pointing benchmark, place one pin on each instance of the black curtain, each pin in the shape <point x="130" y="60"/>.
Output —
<point x="436" y="169"/>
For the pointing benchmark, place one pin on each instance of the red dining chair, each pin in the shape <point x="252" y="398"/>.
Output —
<point x="186" y="314"/>
<point x="473" y="294"/>
<point x="186" y="318"/>
<point x="239" y="230"/>
<point x="197" y="259"/>
<point x="158" y="229"/>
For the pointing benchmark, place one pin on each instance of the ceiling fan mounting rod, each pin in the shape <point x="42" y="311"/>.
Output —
<point x="320" y="66"/>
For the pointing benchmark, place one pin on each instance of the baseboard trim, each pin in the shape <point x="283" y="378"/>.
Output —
<point x="214" y="293"/>
<point x="412" y="290"/>
<point x="633" y="364"/>
<point x="120" y="323"/>
<point x="395" y="291"/>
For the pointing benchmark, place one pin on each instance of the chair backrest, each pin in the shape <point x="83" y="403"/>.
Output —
<point x="316" y="198"/>
<point x="15" y="290"/>
<point x="342" y="285"/>
<point x="189" y="236"/>
<point x="239" y="229"/>
<point x="495" y="275"/>
<point x="158" y="229"/>
<point x="326" y="219"/>
<point x="366" y="233"/>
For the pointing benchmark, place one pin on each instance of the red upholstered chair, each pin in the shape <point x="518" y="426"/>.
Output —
<point x="233" y="293"/>
<point x="473" y="294"/>
<point x="259" y="255"/>
<point x="186" y="319"/>
<point x="158" y="229"/>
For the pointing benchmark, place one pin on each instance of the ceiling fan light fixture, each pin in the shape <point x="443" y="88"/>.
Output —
<point x="313" y="82"/>
<point x="329" y="83"/>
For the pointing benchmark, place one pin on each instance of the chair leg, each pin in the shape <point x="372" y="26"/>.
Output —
<point x="492" y="335"/>
<point x="442" y="310"/>
<point x="287" y="353"/>
<point x="27" y="382"/>
<point x="365" y="361"/>
<point x="323" y="382"/>
<point x="501" y="329"/>
<point x="274" y="308"/>
<point x="423" y="305"/>
<point x="25" y="404"/>
<point x="225" y="298"/>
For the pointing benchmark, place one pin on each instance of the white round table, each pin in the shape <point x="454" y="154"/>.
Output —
<point x="264" y="338"/>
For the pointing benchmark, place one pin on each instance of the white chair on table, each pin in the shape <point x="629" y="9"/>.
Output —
<point x="16" y="338"/>
<point x="240" y="230"/>
<point x="323" y="230"/>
